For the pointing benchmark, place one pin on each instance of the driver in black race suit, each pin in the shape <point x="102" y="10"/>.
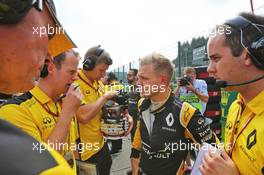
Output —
<point x="167" y="128"/>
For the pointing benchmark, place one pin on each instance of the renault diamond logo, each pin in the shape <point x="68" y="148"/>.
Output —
<point x="252" y="139"/>
<point x="170" y="119"/>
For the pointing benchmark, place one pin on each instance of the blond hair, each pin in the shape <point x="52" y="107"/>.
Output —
<point x="160" y="63"/>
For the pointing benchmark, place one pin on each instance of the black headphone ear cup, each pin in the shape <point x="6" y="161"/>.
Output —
<point x="255" y="56"/>
<point x="256" y="50"/>
<point x="89" y="63"/>
<point x="44" y="72"/>
<point x="256" y="47"/>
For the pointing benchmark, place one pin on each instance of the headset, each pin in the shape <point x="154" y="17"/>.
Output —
<point x="254" y="47"/>
<point x="12" y="11"/>
<point x="256" y="44"/>
<point x="90" y="60"/>
<point x="44" y="72"/>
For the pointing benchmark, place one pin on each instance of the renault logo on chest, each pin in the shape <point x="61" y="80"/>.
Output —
<point x="170" y="119"/>
<point x="251" y="139"/>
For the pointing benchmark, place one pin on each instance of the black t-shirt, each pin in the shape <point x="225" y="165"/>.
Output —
<point x="133" y="98"/>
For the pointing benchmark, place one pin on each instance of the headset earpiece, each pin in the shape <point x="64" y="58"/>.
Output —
<point x="255" y="51"/>
<point x="90" y="61"/>
<point x="255" y="47"/>
<point x="44" y="72"/>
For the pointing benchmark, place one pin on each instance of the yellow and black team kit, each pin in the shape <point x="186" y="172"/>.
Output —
<point x="18" y="156"/>
<point x="90" y="133"/>
<point x="244" y="135"/>
<point x="165" y="133"/>
<point x="37" y="114"/>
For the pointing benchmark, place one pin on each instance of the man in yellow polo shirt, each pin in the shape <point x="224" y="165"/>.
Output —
<point x="18" y="73"/>
<point x="96" y="62"/>
<point x="41" y="112"/>
<point x="237" y="58"/>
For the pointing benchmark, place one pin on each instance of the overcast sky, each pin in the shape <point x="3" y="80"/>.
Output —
<point x="129" y="29"/>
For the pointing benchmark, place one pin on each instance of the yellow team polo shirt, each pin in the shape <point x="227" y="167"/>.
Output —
<point x="248" y="152"/>
<point x="90" y="133"/>
<point x="36" y="114"/>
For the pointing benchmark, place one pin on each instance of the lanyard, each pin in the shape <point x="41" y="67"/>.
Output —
<point x="89" y="84"/>
<point x="47" y="109"/>
<point x="233" y="140"/>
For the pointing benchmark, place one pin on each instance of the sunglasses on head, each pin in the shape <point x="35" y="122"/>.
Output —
<point x="12" y="11"/>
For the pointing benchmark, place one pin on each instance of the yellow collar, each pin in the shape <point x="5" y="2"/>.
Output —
<point x="255" y="104"/>
<point x="40" y="95"/>
<point x="87" y="81"/>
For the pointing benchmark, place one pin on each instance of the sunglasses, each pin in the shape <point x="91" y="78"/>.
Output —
<point x="12" y="11"/>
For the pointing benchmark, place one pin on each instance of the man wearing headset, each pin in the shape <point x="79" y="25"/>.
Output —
<point x="19" y="68"/>
<point x="96" y="62"/>
<point x="237" y="59"/>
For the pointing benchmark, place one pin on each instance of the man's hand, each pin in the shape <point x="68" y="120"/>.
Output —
<point x="130" y="124"/>
<point x="72" y="100"/>
<point x="190" y="87"/>
<point x="109" y="95"/>
<point x="218" y="164"/>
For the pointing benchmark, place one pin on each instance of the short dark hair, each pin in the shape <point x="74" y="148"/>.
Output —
<point x="233" y="38"/>
<point x="135" y="71"/>
<point x="111" y="76"/>
<point x="103" y="58"/>
<point x="61" y="57"/>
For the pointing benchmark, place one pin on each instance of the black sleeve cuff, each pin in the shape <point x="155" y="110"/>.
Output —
<point x="135" y="153"/>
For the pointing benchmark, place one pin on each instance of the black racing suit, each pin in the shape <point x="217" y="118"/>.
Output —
<point x="164" y="144"/>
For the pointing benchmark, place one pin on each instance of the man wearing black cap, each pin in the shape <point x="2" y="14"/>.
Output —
<point x="20" y="67"/>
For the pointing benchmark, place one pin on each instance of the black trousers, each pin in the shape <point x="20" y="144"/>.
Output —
<point x="103" y="161"/>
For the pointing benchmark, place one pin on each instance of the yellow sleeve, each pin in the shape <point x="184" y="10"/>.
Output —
<point x="62" y="168"/>
<point x="76" y="128"/>
<point x="137" y="142"/>
<point x="21" y="118"/>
